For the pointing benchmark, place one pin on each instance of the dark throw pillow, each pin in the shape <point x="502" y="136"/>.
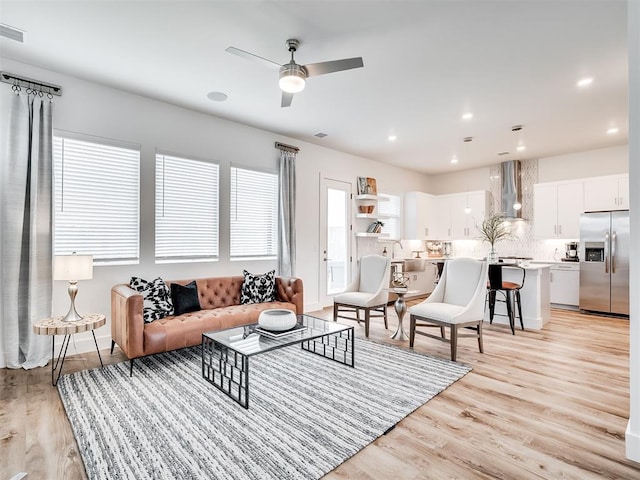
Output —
<point x="185" y="298"/>
<point x="157" y="300"/>
<point x="258" y="288"/>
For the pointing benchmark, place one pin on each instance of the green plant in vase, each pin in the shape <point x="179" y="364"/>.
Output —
<point x="493" y="229"/>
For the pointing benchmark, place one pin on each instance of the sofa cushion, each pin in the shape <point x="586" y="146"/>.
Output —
<point x="258" y="288"/>
<point x="185" y="298"/>
<point x="157" y="300"/>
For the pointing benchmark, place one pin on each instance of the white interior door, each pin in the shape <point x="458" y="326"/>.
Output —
<point x="335" y="238"/>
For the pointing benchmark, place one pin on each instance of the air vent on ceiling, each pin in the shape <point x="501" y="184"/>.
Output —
<point x="11" y="33"/>
<point x="320" y="135"/>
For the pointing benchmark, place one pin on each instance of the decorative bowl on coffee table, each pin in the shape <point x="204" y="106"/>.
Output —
<point x="277" y="320"/>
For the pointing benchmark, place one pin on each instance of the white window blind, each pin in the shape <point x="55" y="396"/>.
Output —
<point x="96" y="190"/>
<point x="391" y="210"/>
<point x="186" y="209"/>
<point x="254" y="214"/>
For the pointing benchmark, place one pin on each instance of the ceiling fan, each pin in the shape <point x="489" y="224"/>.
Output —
<point x="293" y="75"/>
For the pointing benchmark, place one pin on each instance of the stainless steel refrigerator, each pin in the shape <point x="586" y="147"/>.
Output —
<point x="604" y="262"/>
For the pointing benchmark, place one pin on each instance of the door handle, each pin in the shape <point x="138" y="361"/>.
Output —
<point x="613" y="252"/>
<point x="426" y="231"/>
<point x="615" y="200"/>
<point x="559" y="229"/>
<point x="555" y="229"/>
<point x="606" y="252"/>
<point x="620" y="201"/>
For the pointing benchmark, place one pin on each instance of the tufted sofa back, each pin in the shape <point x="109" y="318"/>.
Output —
<point x="219" y="292"/>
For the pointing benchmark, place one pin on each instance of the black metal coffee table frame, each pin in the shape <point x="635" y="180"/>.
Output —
<point x="227" y="368"/>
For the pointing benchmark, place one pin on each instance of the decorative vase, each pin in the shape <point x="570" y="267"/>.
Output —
<point x="492" y="256"/>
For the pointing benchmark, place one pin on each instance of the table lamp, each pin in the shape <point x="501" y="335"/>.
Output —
<point x="72" y="268"/>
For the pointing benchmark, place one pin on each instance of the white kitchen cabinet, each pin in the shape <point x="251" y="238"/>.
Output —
<point x="420" y="216"/>
<point x="565" y="284"/>
<point x="443" y="207"/>
<point x="556" y="209"/>
<point x="606" y="193"/>
<point x="459" y="214"/>
<point x="422" y="281"/>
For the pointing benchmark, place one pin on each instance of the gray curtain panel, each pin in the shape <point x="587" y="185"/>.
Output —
<point x="25" y="236"/>
<point x="287" y="215"/>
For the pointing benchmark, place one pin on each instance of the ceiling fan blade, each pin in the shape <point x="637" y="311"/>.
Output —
<point x="333" y="66"/>
<point x="286" y="99"/>
<point x="251" y="56"/>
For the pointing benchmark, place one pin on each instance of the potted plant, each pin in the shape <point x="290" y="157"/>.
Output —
<point x="494" y="229"/>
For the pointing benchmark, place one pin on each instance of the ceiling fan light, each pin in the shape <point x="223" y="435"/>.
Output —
<point x="517" y="206"/>
<point x="291" y="78"/>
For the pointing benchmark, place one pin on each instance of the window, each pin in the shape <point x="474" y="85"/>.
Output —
<point x="186" y="209"/>
<point x="254" y="214"/>
<point x="96" y="196"/>
<point x="390" y="209"/>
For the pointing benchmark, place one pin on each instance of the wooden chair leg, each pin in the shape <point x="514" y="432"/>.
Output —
<point x="480" y="336"/>
<point x="335" y="312"/>
<point x="358" y="314"/>
<point x="454" y="341"/>
<point x="442" y="334"/>
<point x="412" y="330"/>
<point x="131" y="367"/>
<point x="519" y="308"/>
<point x="367" y="313"/>
<point x="113" y="344"/>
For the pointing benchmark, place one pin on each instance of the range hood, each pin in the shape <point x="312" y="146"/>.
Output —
<point x="510" y="189"/>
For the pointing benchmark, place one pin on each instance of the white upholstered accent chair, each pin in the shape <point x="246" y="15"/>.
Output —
<point x="367" y="292"/>
<point x="457" y="302"/>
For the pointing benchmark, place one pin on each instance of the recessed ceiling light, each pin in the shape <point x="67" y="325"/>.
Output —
<point x="613" y="130"/>
<point x="392" y="138"/>
<point x="521" y="148"/>
<point x="584" y="82"/>
<point x="217" y="96"/>
<point x="467" y="116"/>
<point x="454" y="159"/>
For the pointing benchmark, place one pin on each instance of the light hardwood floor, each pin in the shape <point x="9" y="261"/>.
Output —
<point x="541" y="404"/>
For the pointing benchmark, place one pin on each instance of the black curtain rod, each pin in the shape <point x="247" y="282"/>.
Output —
<point x="288" y="148"/>
<point x="25" y="82"/>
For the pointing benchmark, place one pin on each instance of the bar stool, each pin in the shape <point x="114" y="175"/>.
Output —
<point x="510" y="290"/>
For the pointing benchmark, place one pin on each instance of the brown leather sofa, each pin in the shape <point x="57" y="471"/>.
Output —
<point x="220" y="302"/>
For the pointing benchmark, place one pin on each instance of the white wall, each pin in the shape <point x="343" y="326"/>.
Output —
<point x="463" y="181"/>
<point x="633" y="428"/>
<point x="591" y="163"/>
<point x="93" y="109"/>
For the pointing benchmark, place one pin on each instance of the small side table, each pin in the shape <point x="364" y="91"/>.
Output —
<point x="56" y="326"/>
<point x="401" y="308"/>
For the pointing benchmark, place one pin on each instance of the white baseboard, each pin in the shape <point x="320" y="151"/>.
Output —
<point x="632" y="444"/>
<point x="313" y="307"/>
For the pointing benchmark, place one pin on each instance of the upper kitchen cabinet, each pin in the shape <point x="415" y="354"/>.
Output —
<point x="556" y="209"/>
<point x="461" y="213"/>
<point x="420" y="216"/>
<point x="606" y="193"/>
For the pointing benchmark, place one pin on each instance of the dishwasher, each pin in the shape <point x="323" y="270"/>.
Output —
<point x="565" y="285"/>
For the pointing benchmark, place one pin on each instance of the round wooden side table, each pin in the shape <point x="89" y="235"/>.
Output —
<point x="56" y="326"/>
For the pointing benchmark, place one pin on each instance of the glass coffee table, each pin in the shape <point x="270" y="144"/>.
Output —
<point x="226" y="353"/>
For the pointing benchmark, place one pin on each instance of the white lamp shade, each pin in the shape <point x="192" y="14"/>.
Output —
<point x="72" y="267"/>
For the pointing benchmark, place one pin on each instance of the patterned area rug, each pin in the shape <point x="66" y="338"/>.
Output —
<point x="307" y="414"/>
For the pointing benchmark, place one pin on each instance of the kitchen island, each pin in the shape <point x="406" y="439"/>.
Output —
<point x="535" y="297"/>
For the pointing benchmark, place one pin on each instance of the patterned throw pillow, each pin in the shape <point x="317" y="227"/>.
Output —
<point x="157" y="299"/>
<point x="258" y="288"/>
